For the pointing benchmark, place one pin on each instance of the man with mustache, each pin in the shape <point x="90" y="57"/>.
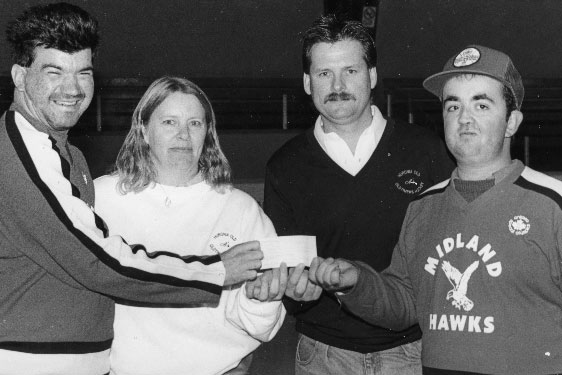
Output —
<point x="59" y="270"/>
<point x="348" y="181"/>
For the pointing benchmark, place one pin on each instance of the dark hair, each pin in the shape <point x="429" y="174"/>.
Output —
<point x="331" y="29"/>
<point x="134" y="163"/>
<point x="61" y="26"/>
<point x="510" y="103"/>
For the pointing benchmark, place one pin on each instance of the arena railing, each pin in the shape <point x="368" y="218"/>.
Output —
<point x="281" y="104"/>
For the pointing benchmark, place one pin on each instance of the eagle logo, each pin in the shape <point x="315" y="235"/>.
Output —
<point x="460" y="284"/>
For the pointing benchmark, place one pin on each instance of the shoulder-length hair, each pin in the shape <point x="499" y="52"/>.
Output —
<point x="134" y="164"/>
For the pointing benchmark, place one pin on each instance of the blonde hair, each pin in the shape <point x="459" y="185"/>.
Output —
<point x="134" y="164"/>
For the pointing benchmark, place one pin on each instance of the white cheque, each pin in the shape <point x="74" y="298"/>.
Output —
<point x="289" y="249"/>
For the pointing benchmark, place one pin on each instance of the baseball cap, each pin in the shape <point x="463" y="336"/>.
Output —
<point x="475" y="59"/>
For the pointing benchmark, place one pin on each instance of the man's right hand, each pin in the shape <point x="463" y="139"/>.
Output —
<point x="242" y="262"/>
<point x="333" y="275"/>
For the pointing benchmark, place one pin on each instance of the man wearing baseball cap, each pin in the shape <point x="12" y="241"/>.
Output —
<point x="478" y="262"/>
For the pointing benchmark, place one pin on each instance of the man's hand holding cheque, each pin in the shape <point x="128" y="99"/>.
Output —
<point x="333" y="275"/>
<point x="275" y="283"/>
<point x="286" y="259"/>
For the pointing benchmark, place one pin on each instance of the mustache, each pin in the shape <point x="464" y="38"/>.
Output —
<point x="335" y="96"/>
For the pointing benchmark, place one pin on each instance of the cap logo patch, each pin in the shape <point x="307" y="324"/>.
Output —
<point x="467" y="57"/>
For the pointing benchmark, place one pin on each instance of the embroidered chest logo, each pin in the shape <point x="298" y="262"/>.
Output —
<point x="519" y="225"/>
<point x="222" y="241"/>
<point x="409" y="181"/>
<point x="460" y="284"/>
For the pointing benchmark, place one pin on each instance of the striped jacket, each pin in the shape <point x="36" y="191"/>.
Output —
<point x="59" y="269"/>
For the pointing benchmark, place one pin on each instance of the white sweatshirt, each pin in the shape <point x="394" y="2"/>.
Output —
<point x="195" y="340"/>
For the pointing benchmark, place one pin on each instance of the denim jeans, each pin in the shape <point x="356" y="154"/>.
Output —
<point x="316" y="358"/>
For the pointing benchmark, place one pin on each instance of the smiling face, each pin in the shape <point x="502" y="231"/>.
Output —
<point x="176" y="133"/>
<point x="476" y="130"/>
<point x="340" y="83"/>
<point x="57" y="88"/>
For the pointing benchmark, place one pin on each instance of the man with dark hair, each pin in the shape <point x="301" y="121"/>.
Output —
<point x="479" y="254"/>
<point x="60" y="271"/>
<point x="61" y="26"/>
<point x="348" y="181"/>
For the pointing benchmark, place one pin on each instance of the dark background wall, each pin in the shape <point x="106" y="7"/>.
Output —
<point x="195" y="38"/>
<point x="415" y="37"/>
<point x="259" y="38"/>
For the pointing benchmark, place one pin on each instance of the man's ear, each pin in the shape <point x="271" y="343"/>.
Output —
<point x="373" y="76"/>
<point x="306" y="83"/>
<point x="18" y="76"/>
<point x="513" y="122"/>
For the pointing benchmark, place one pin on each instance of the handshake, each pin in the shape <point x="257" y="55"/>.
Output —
<point x="301" y="282"/>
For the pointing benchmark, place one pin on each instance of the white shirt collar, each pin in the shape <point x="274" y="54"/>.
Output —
<point x="336" y="148"/>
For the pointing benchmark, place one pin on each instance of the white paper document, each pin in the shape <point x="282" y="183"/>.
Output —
<point x="289" y="249"/>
